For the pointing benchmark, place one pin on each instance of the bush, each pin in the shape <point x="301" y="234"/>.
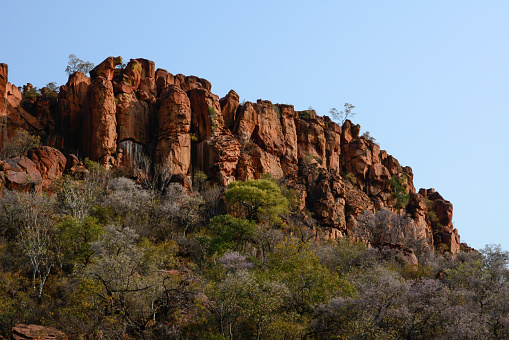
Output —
<point x="19" y="144"/>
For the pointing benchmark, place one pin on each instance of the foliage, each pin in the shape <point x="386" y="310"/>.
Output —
<point x="349" y="177"/>
<point x="258" y="200"/>
<point x="229" y="233"/>
<point x="77" y="65"/>
<point x="50" y="90"/>
<point x="306" y="114"/>
<point x="342" y="116"/>
<point x="19" y="144"/>
<point x="368" y="137"/>
<point x="116" y="260"/>
<point x="75" y="237"/>
<point x="31" y="216"/>
<point x="299" y="269"/>
<point x="399" y="192"/>
<point x="32" y="93"/>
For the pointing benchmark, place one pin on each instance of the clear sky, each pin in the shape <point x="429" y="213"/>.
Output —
<point x="429" y="79"/>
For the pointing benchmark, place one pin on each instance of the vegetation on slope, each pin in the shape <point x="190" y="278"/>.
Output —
<point x="103" y="257"/>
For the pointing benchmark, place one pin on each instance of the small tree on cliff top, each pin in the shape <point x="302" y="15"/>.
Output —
<point x="77" y="65"/>
<point x="342" y="116"/>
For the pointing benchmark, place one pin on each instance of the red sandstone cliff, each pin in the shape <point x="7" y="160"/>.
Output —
<point x="117" y="116"/>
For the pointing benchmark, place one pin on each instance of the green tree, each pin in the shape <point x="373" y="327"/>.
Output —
<point x="401" y="197"/>
<point x="309" y="282"/>
<point x="258" y="199"/>
<point x="230" y="233"/>
<point x="242" y="304"/>
<point x="75" y="237"/>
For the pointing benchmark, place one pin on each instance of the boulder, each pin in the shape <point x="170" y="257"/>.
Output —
<point x="49" y="162"/>
<point x="192" y="82"/>
<point x="332" y="133"/>
<point x="75" y="167"/>
<point x="220" y="157"/>
<point x="20" y="173"/>
<point x="289" y="160"/>
<point x="310" y="139"/>
<point x="260" y="123"/>
<point x="442" y="226"/>
<point x="148" y="76"/>
<point x="106" y="69"/>
<point x="23" y="332"/>
<point x="13" y="94"/>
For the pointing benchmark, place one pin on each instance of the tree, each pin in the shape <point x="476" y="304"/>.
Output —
<point x="31" y="215"/>
<point x="309" y="282"/>
<point x="243" y="299"/>
<point x="368" y="137"/>
<point x="258" y="199"/>
<point x="130" y="284"/>
<point x="19" y="144"/>
<point x="385" y="226"/>
<point x="75" y="237"/>
<point x="77" y="65"/>
<point x="77" y="198"/>
<point x="230" y="233"/>
<point x="401" y="197"/>
<point x="342" y="116"/>
<point x="153" y="177"/>
<point x="50" y="90"/>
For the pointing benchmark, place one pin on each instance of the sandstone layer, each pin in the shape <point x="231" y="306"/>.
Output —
<point x="121" y="116"/>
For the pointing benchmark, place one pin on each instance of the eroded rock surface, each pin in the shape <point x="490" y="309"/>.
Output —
<point x="120" y="116"/>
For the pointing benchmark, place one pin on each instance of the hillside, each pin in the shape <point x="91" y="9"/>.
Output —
<point x="119" y="116"/>
<point x="137" y="204"/>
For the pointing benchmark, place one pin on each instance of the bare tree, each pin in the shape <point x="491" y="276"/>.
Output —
<point x="154" y="177"/>
<point x="342" y="116"/>
<point x="77" y="198"/>
<point x="385" y="226"/>
<point x="31" y="215"/>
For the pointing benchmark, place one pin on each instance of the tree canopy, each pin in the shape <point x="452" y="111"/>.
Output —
<point x="259" y="199"/>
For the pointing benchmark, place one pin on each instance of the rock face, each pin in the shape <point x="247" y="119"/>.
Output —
<point x="22" y="332"/>
<point x="50" y="163"/>
<point x="174" y="142"/>
<point x="120" y="116"/>
<point x="71" y="103"/>
<point x="100" y="128"/>
<point x="20" y="173"/>
<point x="3" y="84"/>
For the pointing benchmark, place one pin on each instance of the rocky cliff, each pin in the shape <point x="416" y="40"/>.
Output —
<point x="117" y="116"/>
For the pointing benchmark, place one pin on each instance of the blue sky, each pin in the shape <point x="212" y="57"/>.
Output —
<point x="428" y="78"/>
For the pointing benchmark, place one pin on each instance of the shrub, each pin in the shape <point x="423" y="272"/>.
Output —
<point x="368" y="137"/>
<point x="19" y="144"/>
<point x="401" y="197"/>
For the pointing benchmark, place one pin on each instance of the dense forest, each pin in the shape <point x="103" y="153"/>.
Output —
<point x="105" y="257"/>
